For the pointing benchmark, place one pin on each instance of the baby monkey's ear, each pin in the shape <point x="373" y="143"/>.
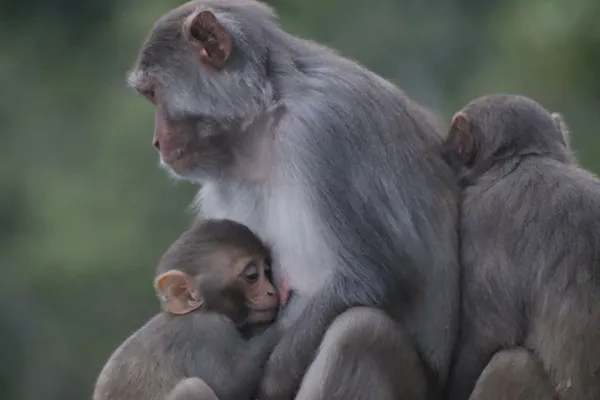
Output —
<point x="461" y="139"/>
<point x="178" y="292"/>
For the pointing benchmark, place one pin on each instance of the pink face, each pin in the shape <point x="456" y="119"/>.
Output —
<point x="189" y="146"/>
<point x="165" y="140"/>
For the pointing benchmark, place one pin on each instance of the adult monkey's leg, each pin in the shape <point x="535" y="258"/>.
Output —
<point x="364" y="355"/>
<point x="514" y="374"/>
<point x="191" y="389"/>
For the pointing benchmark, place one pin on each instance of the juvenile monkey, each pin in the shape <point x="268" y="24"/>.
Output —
<point x="530" y="253"/>
<point x="214" y="287"/>
<point x="339" y="171"/>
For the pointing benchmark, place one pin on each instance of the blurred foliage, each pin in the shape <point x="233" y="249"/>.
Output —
<point x="85" y="212"/>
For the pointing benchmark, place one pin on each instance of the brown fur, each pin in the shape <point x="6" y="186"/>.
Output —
<point x="215" y="288"/>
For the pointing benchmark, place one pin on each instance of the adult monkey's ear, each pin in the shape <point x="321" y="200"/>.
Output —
<point x="178" y="293"/>
<point x="214" y="42"/>
<point x="461" y="139"/>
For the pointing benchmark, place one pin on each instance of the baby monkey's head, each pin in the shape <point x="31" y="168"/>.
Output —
<point x="218" y="266"/>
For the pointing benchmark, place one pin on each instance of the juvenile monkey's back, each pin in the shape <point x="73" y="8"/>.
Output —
<point x="161" y="353"/>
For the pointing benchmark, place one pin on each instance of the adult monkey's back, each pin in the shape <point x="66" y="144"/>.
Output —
<point x="336" y="169"/>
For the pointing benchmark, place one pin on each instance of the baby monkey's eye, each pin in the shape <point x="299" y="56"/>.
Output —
<point x="267" y="263"/>
<point x="268" y="272"/>
<point x="251" y="272"/>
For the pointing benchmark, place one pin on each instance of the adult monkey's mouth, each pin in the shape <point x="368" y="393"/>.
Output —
<point x="172" y="156"/>
<point x="178" y="162"/>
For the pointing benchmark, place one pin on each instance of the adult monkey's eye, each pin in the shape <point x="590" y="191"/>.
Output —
<point x="251" y="272"/>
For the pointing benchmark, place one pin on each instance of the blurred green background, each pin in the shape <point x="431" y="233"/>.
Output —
<point x="85" y="212"/>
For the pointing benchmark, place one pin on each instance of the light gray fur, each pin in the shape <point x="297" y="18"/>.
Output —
<point x="390" y="351"/>
<point x="561" y="125"/>
<point x="168" y="349"/>
<point x="502" y="378"/>
<point x="333" y="167"/>
<point x="192" y="389"/>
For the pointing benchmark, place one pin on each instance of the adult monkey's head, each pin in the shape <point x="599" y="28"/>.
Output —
<point x="205" y="67"/>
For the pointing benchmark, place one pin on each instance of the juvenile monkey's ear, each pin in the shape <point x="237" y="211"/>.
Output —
<point x="177" y="292"/>
<point x="461" y="138"/>
<point x="203" y="29"/>
<point x="561" y="125"/>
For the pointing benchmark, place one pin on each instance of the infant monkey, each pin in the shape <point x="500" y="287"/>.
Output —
<point x="215" y="290"/>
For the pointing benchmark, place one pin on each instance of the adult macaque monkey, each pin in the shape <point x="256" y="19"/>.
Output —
<point x="334" y="167"/>
<point x="530" y="253"/>
<point x="213" y="335"/>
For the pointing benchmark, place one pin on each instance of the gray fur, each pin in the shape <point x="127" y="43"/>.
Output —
<point x="384" y="351"/>
<point x="218" y="343"/>
<point x="192" y="389"/>
<point x="168" y="349"/>
<point x="561" y="125"/>
<point x="565" y="130"/>
<point x="530" y="250"/>
<point x="503" y="378"/>
<point x="331" y="165"/>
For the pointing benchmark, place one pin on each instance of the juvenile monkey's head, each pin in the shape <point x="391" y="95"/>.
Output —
<point x="205" y="67"/>
<point x="218" y="266"/>
<point x="499" y="127"/>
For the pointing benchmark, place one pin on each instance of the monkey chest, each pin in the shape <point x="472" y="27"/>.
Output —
<point x="301" y="249"/>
